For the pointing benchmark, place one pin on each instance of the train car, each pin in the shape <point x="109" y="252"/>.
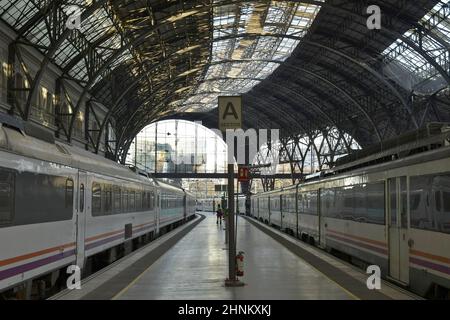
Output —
<point x="241" y="205"/>
<point x="171" y="204"/>
<point x="190" y="205"/>
<point x="61" y="205"/>
<point x="395" y="215"/>
<point x="289" y="210"/>
<point x="207" y="204"/>
<point x="254" y="206"/>
<point x="276" y="208"/>
<point x="263" y="200"/>
<point x="308" y="214"/>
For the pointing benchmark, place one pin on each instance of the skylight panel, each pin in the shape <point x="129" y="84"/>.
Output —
<point x="275" y="17"/>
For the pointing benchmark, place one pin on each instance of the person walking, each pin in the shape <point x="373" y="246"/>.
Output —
<point x="219" y="214"/>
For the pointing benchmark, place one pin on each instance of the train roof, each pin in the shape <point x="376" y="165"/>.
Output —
<point x="443" y="151"/>
<point x="18" y="142"/>
<point x="169" y="186"/>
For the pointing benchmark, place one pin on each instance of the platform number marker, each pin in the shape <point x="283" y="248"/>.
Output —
<point x="230" y="112"/>
<point x="374" y="280"/>
<point x="74" y="280"/>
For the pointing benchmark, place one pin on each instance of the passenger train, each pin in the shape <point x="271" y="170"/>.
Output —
<point x="207" y="204"/>
<point x="61" y="205"/>
<point x="394" y="214"/>
<point x="210" y="204"/>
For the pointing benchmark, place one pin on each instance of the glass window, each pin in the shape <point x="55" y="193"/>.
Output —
<point x="393" y="201"/>
<point x="107" y="198"/>
<point x="144" y="200"/>
<point x="446" y="198"/>
<point x="96" y="199"/>
<point x="124" y="200"/>
<point x="309" y="203"/>
<point x="131" y="200"/>
<point x="437" y="199"/>
<point x="433" y="211"/>
<point x="152" y="201"/>
<point x="82" y="198"/>
<point x="403" y="203"/>
<point x="375" y="206"/>
<point x="442" y="213"/>
<point x="40" y="198"/>
<point x="6" y="197"/>
<point x="138" y="200"/>
<point x="360" y="203"/>
<point x="117" y="199"/>
<point x="69" y="193"/>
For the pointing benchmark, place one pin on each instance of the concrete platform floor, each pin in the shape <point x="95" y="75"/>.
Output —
<point x="195" y="268"/>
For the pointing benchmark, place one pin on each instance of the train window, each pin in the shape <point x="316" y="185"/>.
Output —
<point x="107" y="199"/>
<point x="360" y="203"/>
<point x="145" y="200"/>
<point x="117" y="199"/>
<point x="289" y="203"/>
<point x="124" y="200"/>
<point x="6" y="197"/>
<point x="131" y="200"/>
<point x="432" y="214"/>
<point x="437" y="197"/>
<point x="152" y="201"/>
<point x="40" y="198"/>
<point x="404" y="203"/>
<point x="81" y="197"/>
<point x="138" y="200"/>
<point x="446" y="198"/>
<point x="393" y="201"/>
<point x="414" y="201"/>
<point x="309" y="203"/>
<point x="421" y="216"/>
<point x="442" y="214"/>
<point x="96" y="199"/>
<point x="375" y="203"/>
<point x="69" y="193"/>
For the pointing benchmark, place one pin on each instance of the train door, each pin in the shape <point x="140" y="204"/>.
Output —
<point x="322" y="223"/>
<point x="157" y="209"/>
<point x="81" y="209"/>
<point x="296" y="199"/>
<point x="280" y="197"/>
<point x="185" y="206"/>
<point x="398" y="229"/>
<point x="257" y="207"/>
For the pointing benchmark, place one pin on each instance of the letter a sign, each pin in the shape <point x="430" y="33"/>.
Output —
<point x="230" y="113"/>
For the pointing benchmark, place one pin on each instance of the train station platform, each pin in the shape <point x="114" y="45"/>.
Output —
<point x="191" y="263"/>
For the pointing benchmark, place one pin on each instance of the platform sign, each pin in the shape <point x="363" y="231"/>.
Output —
<point x="230" y="112"/>
<point x="243" y="174"/>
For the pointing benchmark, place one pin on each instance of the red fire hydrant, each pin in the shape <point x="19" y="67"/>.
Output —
<point x="240" y="264"/>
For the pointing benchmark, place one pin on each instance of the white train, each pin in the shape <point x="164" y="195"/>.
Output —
<point x="210" y="204"/>
<point x="395" y="215"/>
<point x="240" y="206"/>
<point x="61" y="205"/>
<point x="207" y="204"/>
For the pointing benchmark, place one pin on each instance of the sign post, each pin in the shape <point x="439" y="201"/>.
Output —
<point x="230" y="117"/>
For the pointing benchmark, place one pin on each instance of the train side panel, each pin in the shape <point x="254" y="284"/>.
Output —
<point x="37" y="231"/>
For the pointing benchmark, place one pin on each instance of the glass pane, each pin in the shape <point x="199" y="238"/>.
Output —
<point x="393" y="201"/>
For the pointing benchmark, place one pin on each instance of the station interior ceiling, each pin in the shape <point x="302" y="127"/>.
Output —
<point x="300" y="66"/>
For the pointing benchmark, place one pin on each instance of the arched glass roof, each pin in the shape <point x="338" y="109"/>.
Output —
<point x="300" y="65"/>
<point x="238" y="64"/>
